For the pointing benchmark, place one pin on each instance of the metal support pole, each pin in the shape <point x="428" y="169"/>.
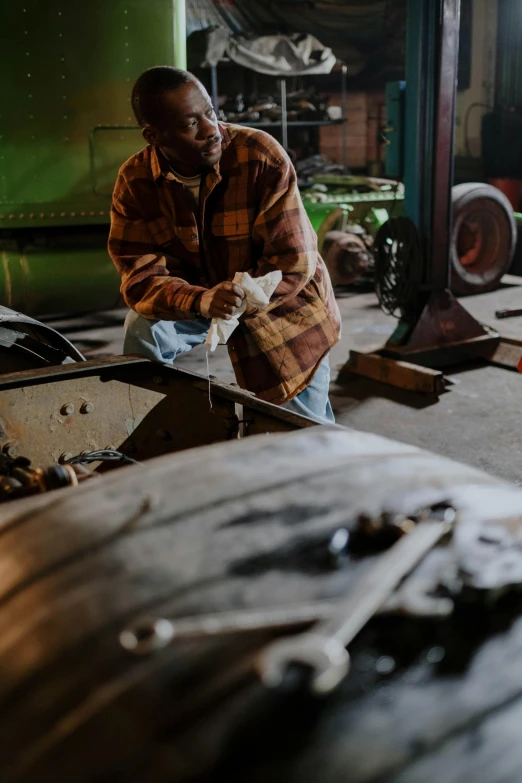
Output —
<point x="436" y="330"/>
<point x="284" y="114"/>
<point x="444" y="133"/>
<point x="419" y="110"/>
<point x="431" y="77"/>
<point x="180" y="33"/>
<point x="344" y="70"/>
<point x="214" y="87"/>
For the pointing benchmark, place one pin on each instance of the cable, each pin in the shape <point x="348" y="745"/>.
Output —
<point x="398" y="266"/>
<point x="102" y="455"/>
<point x="466" y="122"/>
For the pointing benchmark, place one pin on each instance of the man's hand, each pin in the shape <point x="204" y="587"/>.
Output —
<point x="221" y="301"/>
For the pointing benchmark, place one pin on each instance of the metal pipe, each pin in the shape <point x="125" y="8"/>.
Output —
<point x="431" y="70"/>
<point x="284" y="114"/>
<point x="214" y="89"/>
<point x="443" y="133"/>
<point x="419" y="106"/>
<point x="344" y="113"/>
<point x="179" y="13"/>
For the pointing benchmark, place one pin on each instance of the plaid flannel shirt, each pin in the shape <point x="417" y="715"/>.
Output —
<point x="251" y="219"/>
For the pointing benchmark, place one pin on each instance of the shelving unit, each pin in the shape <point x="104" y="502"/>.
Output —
<point x="284" y="124"/>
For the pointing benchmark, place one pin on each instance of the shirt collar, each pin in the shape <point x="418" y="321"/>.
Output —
<point x="159" y="165"/>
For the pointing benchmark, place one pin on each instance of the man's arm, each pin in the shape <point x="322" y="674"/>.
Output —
<point x="148" y="286"/>
<point x="283" y="229"/>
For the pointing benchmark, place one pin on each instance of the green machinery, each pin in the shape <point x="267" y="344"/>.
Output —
<point x="65" y="128"/>
<point x="343" y="202"/>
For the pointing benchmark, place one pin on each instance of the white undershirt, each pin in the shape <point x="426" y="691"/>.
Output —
<point x="192" y="185"/>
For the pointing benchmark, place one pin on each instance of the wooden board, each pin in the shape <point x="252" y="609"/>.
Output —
<point x="402" y="375"/>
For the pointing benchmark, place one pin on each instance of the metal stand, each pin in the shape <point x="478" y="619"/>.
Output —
<point x="443" y="327"/>
<point x="442" y="331"/>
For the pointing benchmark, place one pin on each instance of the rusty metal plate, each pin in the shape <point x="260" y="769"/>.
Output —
<point x="54" y="421"/>
<point x="143" y="408"/>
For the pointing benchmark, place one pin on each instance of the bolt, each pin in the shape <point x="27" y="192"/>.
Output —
<point x="435" y="654"/>
<point x="385" y="665"/>
<point x="87" y="407"/>
<point x="11" y="450"/>
<point x="64" y="457"/>
<point x="162" y="434"/>
<point x="157" y="379"/>
<point x="67" y="409"/>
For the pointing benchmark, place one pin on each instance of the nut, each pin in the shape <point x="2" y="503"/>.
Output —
<point x="67" y="409"/>
<point x="11" y="450"/>
<point x="157" y="379"/>
<point x="87" y="407"/>
<point x="162" y="434"/>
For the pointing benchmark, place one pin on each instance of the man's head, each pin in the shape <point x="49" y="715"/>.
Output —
<point x="176" y="114"/>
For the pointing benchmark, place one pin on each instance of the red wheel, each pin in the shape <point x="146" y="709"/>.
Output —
<point x="483" y="238"/>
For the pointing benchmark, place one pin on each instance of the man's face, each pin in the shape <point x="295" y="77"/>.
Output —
<point x="189" y="135"/>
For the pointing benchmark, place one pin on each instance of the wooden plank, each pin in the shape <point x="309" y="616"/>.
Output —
<point x="402" y="375"/>
<point x="507" y="353"/>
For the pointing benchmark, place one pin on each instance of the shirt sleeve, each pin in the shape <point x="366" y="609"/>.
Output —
<point x="284" y="231"/>
<point x="152" y="282"/>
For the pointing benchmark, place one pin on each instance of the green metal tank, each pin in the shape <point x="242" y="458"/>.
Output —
<point x="66" y="126"/>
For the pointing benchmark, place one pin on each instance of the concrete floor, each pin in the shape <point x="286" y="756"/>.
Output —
<point x="478" y="420"/>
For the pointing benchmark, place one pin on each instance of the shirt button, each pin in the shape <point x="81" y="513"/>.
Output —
<point x="193" y="236"/>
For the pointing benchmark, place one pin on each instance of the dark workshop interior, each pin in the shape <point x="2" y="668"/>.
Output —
<point x="261" y="391"/>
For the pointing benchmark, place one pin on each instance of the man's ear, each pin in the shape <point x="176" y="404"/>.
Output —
<point x="150" y="135"/>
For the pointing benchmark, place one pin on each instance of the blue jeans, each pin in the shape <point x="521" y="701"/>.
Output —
<point x="164" y="340"/>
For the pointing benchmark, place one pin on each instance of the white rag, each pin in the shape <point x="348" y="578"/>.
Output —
<point x="258" y="291"/>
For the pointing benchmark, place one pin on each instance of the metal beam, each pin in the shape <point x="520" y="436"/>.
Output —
<point x="431" y="78"/>
<point x="180" y="33"/>
<point x="444" y="133"/>
<point x="419" y="111"/>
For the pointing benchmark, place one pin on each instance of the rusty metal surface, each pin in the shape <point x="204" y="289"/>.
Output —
<point x="140" y="407"/>
<point x="75" y="568"/>
<point x="47" y="421"/>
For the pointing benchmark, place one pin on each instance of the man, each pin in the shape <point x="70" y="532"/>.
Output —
<point x="203" y="201"/>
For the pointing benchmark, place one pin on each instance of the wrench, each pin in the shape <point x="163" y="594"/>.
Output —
<point x="323" y="649"/>
<point x="145" y="635"/>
